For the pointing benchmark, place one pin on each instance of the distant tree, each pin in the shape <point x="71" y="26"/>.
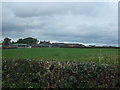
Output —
<point x="7" y="41"/>
<point x="28" y="40"/>
<point x="81" y="45"/>
<point x="13" y="42"/>
<point x="20" y="41"/>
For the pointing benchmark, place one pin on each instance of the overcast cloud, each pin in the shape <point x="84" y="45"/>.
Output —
<point x="88" y="23"/>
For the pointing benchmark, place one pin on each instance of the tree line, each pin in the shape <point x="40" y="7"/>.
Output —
<point x="29" y="40"/>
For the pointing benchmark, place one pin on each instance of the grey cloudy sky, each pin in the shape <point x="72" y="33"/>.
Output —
<point x="83" y="22"/>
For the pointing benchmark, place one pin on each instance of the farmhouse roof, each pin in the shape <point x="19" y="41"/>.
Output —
<point x="20" y="44"/>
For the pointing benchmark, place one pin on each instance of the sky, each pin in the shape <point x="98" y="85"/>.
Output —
<point x="80" y="22"/>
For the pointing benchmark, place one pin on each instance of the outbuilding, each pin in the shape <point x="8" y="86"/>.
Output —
<point x="19" y="45"/>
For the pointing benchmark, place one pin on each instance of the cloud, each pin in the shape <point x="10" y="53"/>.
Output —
<point x="83" y="22"/>
<point x="0" y="22"/>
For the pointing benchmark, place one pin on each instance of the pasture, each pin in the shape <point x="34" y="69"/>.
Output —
<point x="99" y="55"/>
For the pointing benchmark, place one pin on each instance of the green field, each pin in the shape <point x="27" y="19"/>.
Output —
<point x="102" y="55"/>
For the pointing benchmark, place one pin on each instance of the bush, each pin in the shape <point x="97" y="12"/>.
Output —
<point x="25" y="73"/>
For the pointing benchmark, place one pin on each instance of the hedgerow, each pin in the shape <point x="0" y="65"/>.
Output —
<point x="27" y="73"/>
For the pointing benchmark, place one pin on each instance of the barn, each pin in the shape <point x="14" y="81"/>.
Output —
<point x="19" y="45"/>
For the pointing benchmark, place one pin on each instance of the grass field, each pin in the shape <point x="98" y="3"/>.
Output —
<point x="102" y="55"/>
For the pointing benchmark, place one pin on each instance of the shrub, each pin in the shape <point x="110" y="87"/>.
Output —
<point x="25" y="73"/>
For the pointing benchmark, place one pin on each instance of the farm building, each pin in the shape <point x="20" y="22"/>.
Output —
<point x="70" y="45"/>
<point x="20" y="45"/>
<point x="44" y="44"/>
<point x="57" y="44"/>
